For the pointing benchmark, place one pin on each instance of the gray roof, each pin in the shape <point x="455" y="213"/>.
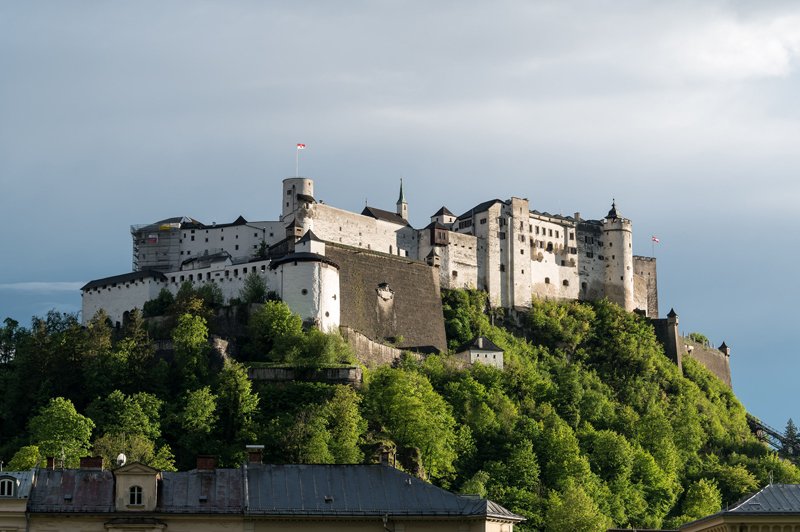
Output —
<point x="356" y="490"/>
<point x="773" y="499"/>
<point x="386" y="216"/>
<point x="24" y="481"/>
<point x="309" y="237"/>
<point x="302" y="257"/>
<point x="480" y="342"/>
<point x="72" y="490"/>
<point x="444" y="211"/>
<point x="215" y="491"/>
<point x="480" y="207"/>
<point x="125" y="278"/>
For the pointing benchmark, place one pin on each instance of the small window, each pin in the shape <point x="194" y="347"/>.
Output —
<point x="546" y="280"/>
<point x="483" y="221"/>
<point x="304" y="291"/>
<point x="7" y="487"/>
<point x="135" y="496"/>
<point x="454" y="274"/>
<point x="502" y="267"/>
<point x="565" y="282"/>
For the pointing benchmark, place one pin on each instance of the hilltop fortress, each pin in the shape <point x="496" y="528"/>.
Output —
<point x="376" y="274"/>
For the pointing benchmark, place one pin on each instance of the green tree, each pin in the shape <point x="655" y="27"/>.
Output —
<point x="791" y="444"/>
<point x="254" y="288"/>
<point x="190" y="340"/>
<point x="160" y="305"/>
<point x="237" y="405"/>
<point x="406" y="405"/>
<point x="27" y="457"/>
<point x="702" y="498"/>
<point x="346" y="426"/>
<point x="275" y="332"/>
<point x="700" y="338"/>
<point x="136" y="447"/>
<point x="574" y="510"/>
<point x="61" y="432"/>
<point x="122" y="414"/>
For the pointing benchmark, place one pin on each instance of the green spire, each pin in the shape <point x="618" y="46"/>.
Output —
<point x="402" y="198"/>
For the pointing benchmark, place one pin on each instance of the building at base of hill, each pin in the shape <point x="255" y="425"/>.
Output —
<point x="256" y="497"/>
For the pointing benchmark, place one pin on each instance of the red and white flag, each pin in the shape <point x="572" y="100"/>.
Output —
<point x="301" y="146"/>
<point x="655" y="239"/>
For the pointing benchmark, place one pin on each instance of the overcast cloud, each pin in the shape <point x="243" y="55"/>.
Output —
<point x="116" y="113"/>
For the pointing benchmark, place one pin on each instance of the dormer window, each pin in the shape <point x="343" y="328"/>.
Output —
<point x="7" y="487"/>
<point x="135" y="496"/>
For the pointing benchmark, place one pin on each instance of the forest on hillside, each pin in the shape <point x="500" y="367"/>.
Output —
<point x="589" y="425"/>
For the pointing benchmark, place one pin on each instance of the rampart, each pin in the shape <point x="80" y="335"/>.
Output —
<point x="386" y="297"/>
<point x="712" y="358"/>
<point x="370" y="353"/>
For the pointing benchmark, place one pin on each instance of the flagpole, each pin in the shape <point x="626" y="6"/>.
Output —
<point x="297" y="162"/>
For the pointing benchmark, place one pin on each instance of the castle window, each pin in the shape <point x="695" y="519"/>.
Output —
<point x="565" y="282"/>
<point x="244" y="270"/>
<point x="206" y="239"/>
<point x="589" y="254"/>
<point x="263" y="268"/>
<point x="546" y="280"/>
<point x="304" y="291"/>
<point x="537" y="229"/>
<point x="583" y="286"/>
<point x="501" y="235"/>
<point x="572" y="236"/>
<point x="522" y="252"/>
<point x="192" y="238"/>
<point x="390" y="250"/>
<point x="454" y="274"/>
<point x="236" y="272"/>
<point x="610" y="244"/>
<point x="327" y="314"/>
<point x="502" y="267"/>
<point x="135" y="496"/>
<point x="550" y="231"/>
<point x="237" y="246"/>
<point x="221" y="238"/>
<point x="557" y="234"/>
<point x="288" y="192"/>
<point x="7" y="487"/>
<point x="549" y="246"/>
<point x="483" y="221"/>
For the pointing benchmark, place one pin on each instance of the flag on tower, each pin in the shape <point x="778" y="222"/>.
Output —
<point x="655" y="239"/>
<point x="301" y="146"/>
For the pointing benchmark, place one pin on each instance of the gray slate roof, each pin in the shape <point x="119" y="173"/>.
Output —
<point x="386" y="216"/>
<point x="72" y="490"/>
<point x="24" y="481"/>
<point x="216" y="491"/>
<point x="125" y="278"/>
<point x="303" y="256"/>
<point x="773" y="499"/>
<point x="356" y="490"/>
<point x="479" y="342"/>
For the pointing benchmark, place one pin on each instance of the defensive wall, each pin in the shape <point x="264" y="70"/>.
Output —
<point x="386" y="297"/>
<point x="713" y="359"/>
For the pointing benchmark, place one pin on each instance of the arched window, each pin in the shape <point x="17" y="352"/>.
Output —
<point x="7" y="487"/>
<point x="135" y="496"/>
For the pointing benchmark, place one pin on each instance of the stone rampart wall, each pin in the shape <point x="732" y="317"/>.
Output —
<point x="388" y="297"/>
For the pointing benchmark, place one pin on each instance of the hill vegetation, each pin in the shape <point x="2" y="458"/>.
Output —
<point x="587" y="426"/>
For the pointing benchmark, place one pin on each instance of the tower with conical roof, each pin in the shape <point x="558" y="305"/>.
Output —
<point x="618" y="243"/>
<point x="402" y="205"/>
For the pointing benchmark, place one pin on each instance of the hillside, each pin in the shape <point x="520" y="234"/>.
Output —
<point x="588" y="425"/>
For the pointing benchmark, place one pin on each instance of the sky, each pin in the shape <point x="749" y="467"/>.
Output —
<point x="685" y="113"/>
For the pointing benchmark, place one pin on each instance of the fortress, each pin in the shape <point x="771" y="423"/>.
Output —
<point x="376" y="274"/>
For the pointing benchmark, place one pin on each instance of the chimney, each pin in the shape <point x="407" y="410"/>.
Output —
<point x="94" y="463"/>
<point x="206" y="462"/>
<point x="255" y="454"/>
<point x="51" y="462"/>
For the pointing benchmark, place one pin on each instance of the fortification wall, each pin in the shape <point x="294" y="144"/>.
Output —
<point x="645" y="285"/>
<point x="370" y="353"/>
<point x="388" y="297"/>
<point x="713" y="359"/>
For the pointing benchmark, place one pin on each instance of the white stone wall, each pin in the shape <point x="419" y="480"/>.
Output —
<point x="291" y="188"/>
<point x="351" y="229"/>
<point x="124" y="297"/>
<point x="480" y="356"/>
<point x="118" y="298"/>
<point x="554" y="257"/>
<point x="617" y="236"/>
<point x="311" y="289"/>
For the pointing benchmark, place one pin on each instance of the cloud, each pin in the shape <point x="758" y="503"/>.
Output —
<point x="42" y="287"/>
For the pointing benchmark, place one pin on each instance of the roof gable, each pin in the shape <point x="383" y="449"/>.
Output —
<point x="386" y="216"/>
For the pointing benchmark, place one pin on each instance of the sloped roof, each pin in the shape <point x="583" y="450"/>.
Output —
<point x="357" y="490"/>
<point x="301" y="257"/>
<point x="480" y="207"/>
<point x="72" y="490"/>
<point x="215" y="491"/>
<point x="436" y="225"/>
<point x="444" y="211"/>
<point x="125" y="278"/>
<point x="773" y="499"/>
<point x="24" y="481"/>
<point x="386" y="216"/>
<point x="309" y="237"/>
<point x="479" y="342"/>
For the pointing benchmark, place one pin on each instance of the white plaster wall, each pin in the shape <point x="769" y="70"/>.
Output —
<point x="460" y="256"/>
<point x="118" y="298"/>
<point x="558" y="265"/>
<point x="617" y="236"/>
<point x="311" y="289"/>
<point x="338" y="225"/>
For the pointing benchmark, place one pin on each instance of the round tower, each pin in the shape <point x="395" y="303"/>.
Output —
<point x="618" y="240"/>
<point x="293" y="186"/>
<point x="309" y="284"/>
